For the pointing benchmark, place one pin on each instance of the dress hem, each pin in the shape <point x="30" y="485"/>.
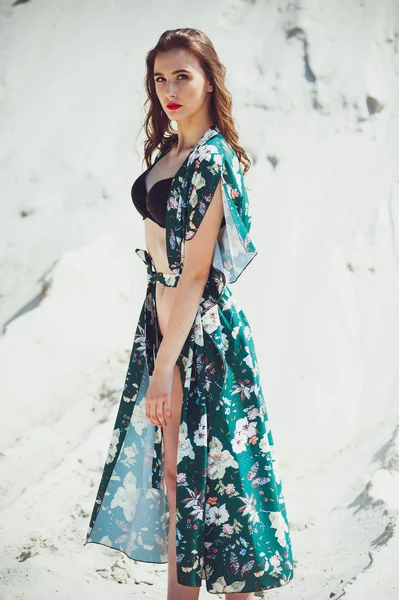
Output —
<point x="154" y="562"/>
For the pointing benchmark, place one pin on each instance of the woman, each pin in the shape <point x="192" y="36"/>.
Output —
<point x="190" y="476"/>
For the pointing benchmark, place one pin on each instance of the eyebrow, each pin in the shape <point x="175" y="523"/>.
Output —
<point x="174" y="72"/>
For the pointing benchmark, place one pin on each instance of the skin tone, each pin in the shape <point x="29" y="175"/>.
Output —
<point x="179" y="78"/>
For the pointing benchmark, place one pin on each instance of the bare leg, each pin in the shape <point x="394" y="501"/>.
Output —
<point x="170" y="433"/>
<point x="239" y="596"/>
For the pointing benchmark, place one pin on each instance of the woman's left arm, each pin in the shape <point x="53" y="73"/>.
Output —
<point x="198" y="258"/>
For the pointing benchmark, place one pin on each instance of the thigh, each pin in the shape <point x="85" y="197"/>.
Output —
<point x="170" y="433"/>
<point x="164" y="299"/>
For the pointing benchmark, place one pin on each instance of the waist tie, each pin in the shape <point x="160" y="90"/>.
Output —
<point x="167" y="279"/>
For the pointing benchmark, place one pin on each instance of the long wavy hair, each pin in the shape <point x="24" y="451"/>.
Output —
<point x="159" y="132"/>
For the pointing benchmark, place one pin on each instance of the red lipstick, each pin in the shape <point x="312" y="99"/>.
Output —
<point x="173" y="106"/>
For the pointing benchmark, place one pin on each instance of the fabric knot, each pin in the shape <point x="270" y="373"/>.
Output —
<point x="167" y="279"/>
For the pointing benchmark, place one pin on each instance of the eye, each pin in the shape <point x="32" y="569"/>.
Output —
<point x="157" y="79"/>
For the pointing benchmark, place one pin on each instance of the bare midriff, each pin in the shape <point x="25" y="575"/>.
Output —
<point x="155" y="238"/>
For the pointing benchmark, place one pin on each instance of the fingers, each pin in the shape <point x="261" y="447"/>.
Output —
<point x="168" y="407"/>
<point x="155" y="413"/>
<point x="159" y="416"/>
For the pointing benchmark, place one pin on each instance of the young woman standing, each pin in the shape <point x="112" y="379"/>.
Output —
<point x="191" y="477"/>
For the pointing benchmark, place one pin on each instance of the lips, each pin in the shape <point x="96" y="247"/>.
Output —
<point x="173" y="106"/>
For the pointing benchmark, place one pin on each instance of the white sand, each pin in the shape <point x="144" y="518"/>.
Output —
<point x="325" y="316"/>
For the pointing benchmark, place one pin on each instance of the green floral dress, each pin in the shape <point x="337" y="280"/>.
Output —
<point x="232" y="526"/>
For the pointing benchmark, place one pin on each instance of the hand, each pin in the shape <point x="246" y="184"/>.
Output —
<point x="158" y="398"/>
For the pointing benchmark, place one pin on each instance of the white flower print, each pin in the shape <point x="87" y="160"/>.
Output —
<point x="187" y="364"/>
<point x="230" y="489"/>
<point x="197" y="182"/>
<point x="184" y="447"/>
<point x="207" y="304"/>
<point x="243" y="426"/>
<point x="113" y="446"/>
<point x="253" y="413"/>
<point x="236" y="167"/>
<point x="239" y="443"/>
<point x="210" y="319"/>
<point x="194" y="501"/>
<point x="139" y="419"/>
<point x="198" y="333"/>
<point x="205" y="152"/>
<point x="249" y="508"/>
<point x="125" y="497"/>
<point x="129" y="455"/>
<point x="200" y="434"/>
<point x="226" y="400"/>
<point x="225" y="341"/>
<point x="240" y="387"/>
<point x="169" y="278"/>
<point x="228" y="529"/>
<point x="275" y="560"/>
<point x="139" y="344"/>
<point x="219" y="460"/>
<point x="216" y="515"/>
<point x="220" y="586"/>
<point x="278" y="523"/>
<point x="181" y="478"/>
<point x="217" y="158"/>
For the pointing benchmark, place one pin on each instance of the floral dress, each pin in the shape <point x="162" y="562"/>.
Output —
<point x="232" y="527"/>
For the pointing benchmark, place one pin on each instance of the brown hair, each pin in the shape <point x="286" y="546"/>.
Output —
<point x="158" y="129"/>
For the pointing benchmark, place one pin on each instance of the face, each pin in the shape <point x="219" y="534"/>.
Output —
<point x="179" y="79"/>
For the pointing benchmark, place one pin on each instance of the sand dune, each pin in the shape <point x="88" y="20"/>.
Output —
<point x="315" y="88"/>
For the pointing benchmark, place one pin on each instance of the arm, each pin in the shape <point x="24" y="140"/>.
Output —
<point x="197" y="263"/>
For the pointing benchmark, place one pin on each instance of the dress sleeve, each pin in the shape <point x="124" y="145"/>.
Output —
<point x="207" y="172"/>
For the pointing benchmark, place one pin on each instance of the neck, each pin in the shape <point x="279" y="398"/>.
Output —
<point x="189" y="134"/>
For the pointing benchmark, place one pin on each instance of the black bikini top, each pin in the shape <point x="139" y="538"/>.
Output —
<point x="153" y="204"/>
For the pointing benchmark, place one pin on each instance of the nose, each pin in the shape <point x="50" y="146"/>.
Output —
<point x="170" y="89"/>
